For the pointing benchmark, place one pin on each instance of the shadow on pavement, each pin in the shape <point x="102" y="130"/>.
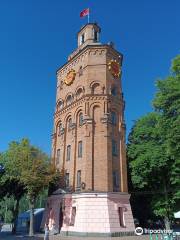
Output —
<point x="10" y="236"/>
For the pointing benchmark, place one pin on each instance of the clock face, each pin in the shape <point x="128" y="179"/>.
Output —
<point x="68" y="80"/>
<point x="114" y="68"/>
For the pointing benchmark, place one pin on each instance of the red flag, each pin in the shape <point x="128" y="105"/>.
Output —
<point x="84" y="13"/>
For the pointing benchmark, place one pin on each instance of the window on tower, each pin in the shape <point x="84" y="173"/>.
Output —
<point x="80" y="149"/>
<point x="68" y="153"/>
<point x="115" y="181"/>
<point x="78" y="178"/>
<point x="96" y="88"/>
<point x="60" y="128"/>
<point x="114" y="148"/>
<point x="60" y="105"/>
<point x="81" y="119"/>
<point x="69" y="100"/>
<point x="67" y="179"/>
<point x="79" y="93"/>
<point x="114" y="91"/>
<point x="95" y="36"/>
<point x="58" y="157"/>
<point x="82" y="39"/>
<point x="113" y="118"/>
<point x="69" y="123"/>
<point x="80" y="71"/>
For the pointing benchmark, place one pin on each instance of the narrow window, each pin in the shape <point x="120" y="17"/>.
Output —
<point x="78" y="178"/>
<point x="59" y="128"/>
<point x="67" y="179"/>
<point x="80" y="149"/>
<point x="79" y="93"/>
<point x="95" y="36"/>
<point x="58" y="156"/>
<point x="114" y="91"/>
<point x="114" y="148"/>
<point x="121" y="217"/>
<point x="115" y="181"/>
<point x="69" y="123"/>
<point x="69" y="100"/>
<point x="82" y="38"/>
<point x="113" y="118"/>
<point x="80" y="71"/>
<point x="60" y="105"/>
<point x="80" y="119"/>
<point x="68" y="153"/>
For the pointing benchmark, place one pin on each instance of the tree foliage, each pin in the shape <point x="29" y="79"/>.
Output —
<point x="154" y="147"/>
<point x="167" y="104"/>
<point x="27" y="170"/>
<point x="10" y="184"/>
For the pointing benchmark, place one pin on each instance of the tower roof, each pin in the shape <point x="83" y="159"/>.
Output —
<point x="91" y="24"/>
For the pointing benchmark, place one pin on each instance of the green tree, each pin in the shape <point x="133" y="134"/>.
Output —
<point x="36" y="174"/>
<point x="154" y="148"/>
<point x="10" y="185"/>
<point x="29" y="171"/>
<point x="167" y="104"/>
<point x="6" y="206"/>
<point x="40" y="201"/>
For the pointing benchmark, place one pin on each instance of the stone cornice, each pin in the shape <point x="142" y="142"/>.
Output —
<point x="89" y="97"/>
<point x="94" y="194"/>
<point x="85" y="51"/>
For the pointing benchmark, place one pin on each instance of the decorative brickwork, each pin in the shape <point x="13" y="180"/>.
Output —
<point x="90" y="110"/>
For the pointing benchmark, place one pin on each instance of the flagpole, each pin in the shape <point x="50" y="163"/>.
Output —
<point x="88" y="16"/>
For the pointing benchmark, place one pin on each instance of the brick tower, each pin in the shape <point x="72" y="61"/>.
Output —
<point x="89" y="141"/>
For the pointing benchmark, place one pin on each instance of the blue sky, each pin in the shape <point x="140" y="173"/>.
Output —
<point x="36" y="36"/>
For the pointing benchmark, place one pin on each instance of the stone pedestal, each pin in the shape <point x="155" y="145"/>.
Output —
<point x="92" y="214"/>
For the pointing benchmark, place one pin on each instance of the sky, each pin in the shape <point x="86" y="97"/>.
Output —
<point x="36" y="36"/>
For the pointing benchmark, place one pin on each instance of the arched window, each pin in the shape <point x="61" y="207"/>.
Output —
<point x="80" y="149"/>
<point x="58" y="157"/>
<point x="80" y="71"/>
<point x="60" y="128"/>
<point x="69" y="123"/>
<point x="114" y="91"/>
<point x="79" y="93"/>
<point x="81" y="119"/>
<point x="60" y="105"/>
<point x="68" y="154"/>
<point x="69" y="100"/>
<point x="113" y="118"/>
<point x="96" y="88"/>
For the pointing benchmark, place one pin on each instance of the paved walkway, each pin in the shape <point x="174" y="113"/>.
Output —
<point x="9" y="236"/>
<point x="101" y="238"/>
<point x="6" y="235"/>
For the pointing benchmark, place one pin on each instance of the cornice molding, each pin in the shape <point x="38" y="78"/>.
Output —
<point x="90" y="97"/>
<point x="88" y="50"/>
